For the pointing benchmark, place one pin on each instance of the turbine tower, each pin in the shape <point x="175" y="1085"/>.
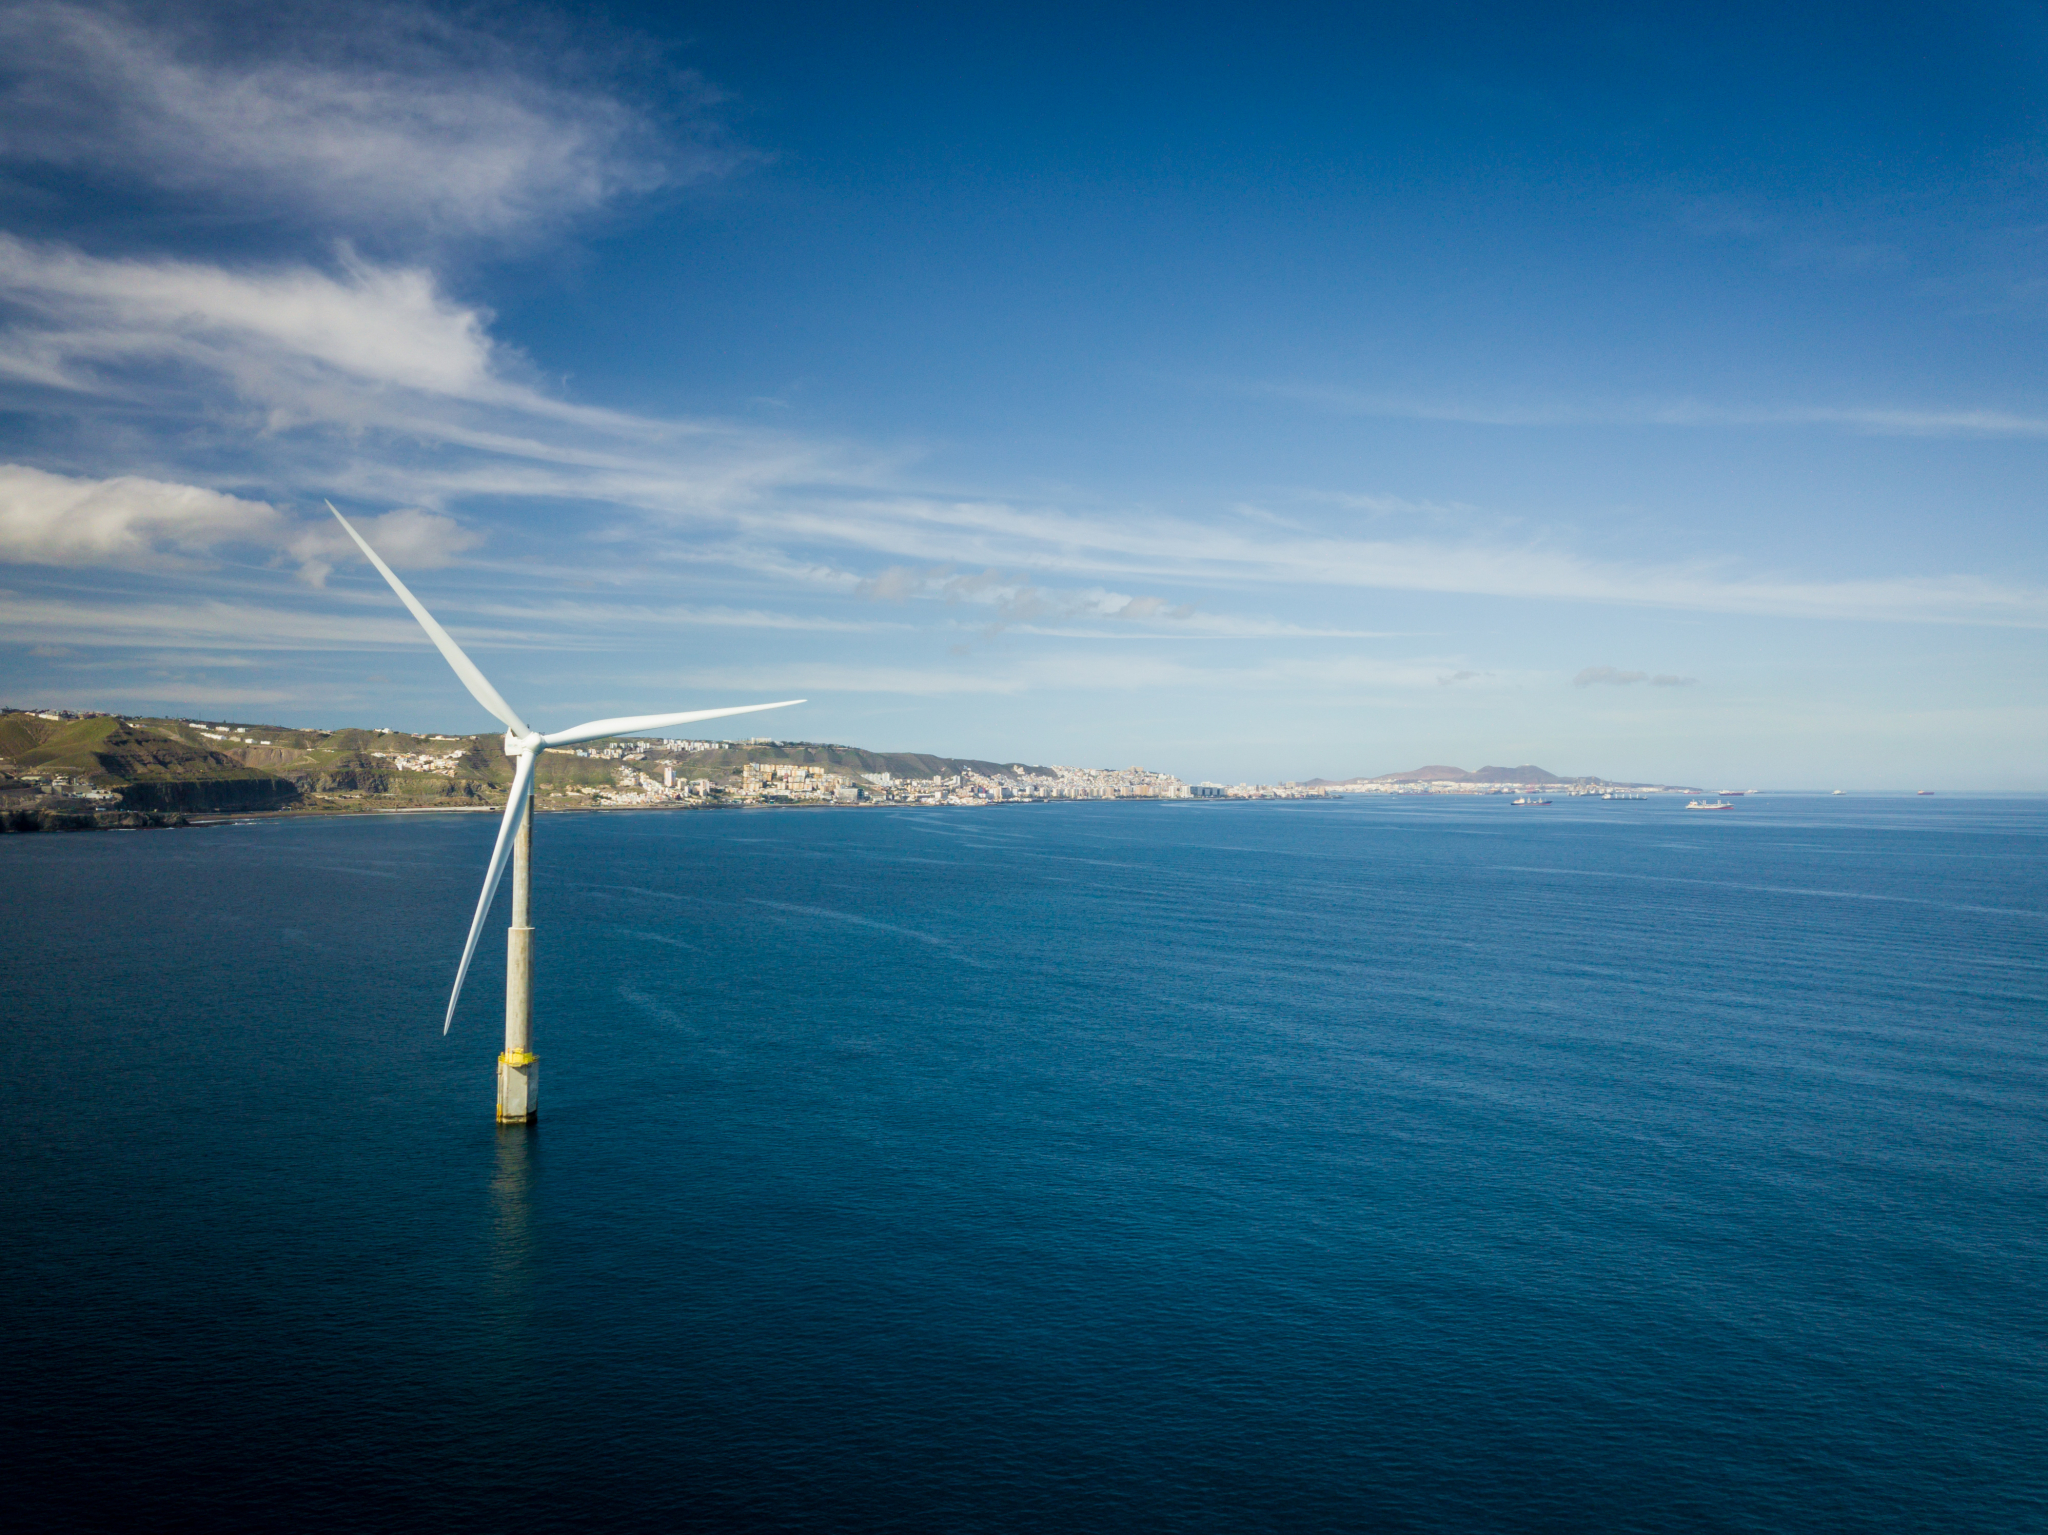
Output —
<point x="518" y="1071"/>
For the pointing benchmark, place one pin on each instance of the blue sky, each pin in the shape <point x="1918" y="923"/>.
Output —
<point x="1652" y="392"/>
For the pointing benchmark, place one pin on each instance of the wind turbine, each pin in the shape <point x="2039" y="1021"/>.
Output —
<point x="518" y="1074"/>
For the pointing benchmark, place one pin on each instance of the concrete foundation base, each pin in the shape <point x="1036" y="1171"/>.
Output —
<point x="518" y="1088"/>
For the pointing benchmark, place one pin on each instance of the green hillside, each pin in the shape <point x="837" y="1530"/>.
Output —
<point x="151" y="768"/>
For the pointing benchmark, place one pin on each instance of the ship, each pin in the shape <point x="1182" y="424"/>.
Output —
<point x="1708" y="804"/>
<point x="1528" y="799"/>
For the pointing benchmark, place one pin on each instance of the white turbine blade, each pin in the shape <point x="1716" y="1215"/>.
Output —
<point x="597" y="730"/>
<point x="508" y="831"/>
<point x="479" y="686"/>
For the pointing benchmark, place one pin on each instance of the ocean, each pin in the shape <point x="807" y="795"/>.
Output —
<point x="1380" y="1164"/>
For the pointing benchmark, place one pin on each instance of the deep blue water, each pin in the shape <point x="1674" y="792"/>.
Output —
<point x="1411" y="1165"/>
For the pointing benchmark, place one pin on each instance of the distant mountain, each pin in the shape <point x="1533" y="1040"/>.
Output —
<point x="1424" y="775"/>
<point x="727" y="760"/>
<point x="1527" y="773"/>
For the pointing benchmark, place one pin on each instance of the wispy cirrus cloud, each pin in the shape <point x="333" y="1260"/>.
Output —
<point x="156" y="691"/>
<point x="1614" y="676"/>
<point x="1245" y="557"/>
<point x="51" y="617"/>
<point x="844" y="524"/>
<point x="1015" y="600"/>
<point x="1118" y="671"/>
<point x="1894" y="421"/>
<point x="290" y="337"/>
<point x="58" y="621"/>
<point x="1011" y="598"/>
<point x="369" y="381"/>
<point x="369" y="377"/>
<point x="376" y="120"/>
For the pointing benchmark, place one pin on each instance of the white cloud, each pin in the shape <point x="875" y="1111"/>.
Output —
<point x="410" y="537"/>
<point x="899" y="583"/>
<point x="364" y="118"/>
<point x="52" y="519"/>
<point x="134" y="523"/>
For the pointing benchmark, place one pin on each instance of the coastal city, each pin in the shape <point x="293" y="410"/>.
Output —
<point x="659" y="772"/>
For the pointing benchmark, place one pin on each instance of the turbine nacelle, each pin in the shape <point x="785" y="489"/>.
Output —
<point x="523" y="744"/>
